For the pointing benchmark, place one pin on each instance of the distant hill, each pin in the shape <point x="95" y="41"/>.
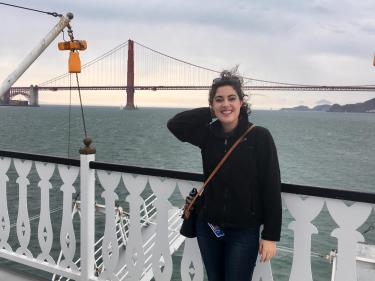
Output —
<point x="367" y="106"/>
<point x="298" y="108"/>
<point x="323" y="102"/>
<point x="323" y="107"/>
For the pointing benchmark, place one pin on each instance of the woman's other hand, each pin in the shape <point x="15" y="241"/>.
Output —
<point x="267" y="249"/>
<point x="191" y="195"/>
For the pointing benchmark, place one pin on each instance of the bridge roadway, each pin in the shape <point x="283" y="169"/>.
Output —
<point x="368" y="88"/>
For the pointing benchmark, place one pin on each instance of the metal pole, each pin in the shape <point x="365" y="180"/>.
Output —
<point x="333" y="256"/>
<point x="34" y="54"/>
<point x="87" y="189"/>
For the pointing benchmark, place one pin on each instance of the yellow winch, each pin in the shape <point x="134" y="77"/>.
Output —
<point x="74" y="60"/>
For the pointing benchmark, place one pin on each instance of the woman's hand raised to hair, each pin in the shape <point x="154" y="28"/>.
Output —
<point x="267" y="250"/>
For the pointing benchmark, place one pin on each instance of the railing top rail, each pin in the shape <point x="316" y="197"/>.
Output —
<point x="146" y="171"/>
<point x="40" y="158"/>
<point x="333" y="193"/>
<point x="356" y="196"/>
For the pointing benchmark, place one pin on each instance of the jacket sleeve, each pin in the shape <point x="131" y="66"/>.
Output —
<point x="270" y="188"/>
<point x="191" y="126"/>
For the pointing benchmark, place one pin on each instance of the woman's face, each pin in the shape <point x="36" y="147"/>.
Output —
<point x="226" y="106"/>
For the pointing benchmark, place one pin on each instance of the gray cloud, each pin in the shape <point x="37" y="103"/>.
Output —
<point x="367" y="25"/>
<point x="300" y="41"/>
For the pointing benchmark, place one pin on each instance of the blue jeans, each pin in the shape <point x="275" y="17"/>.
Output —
<point x="231" y="257"/>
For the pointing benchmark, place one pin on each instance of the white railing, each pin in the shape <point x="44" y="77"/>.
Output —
<point x="140" y="244"/>
<point x="22" y="254"/>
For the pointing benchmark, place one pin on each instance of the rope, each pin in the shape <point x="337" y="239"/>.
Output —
<point x="57" y="209"/>
<point x="38" y="216"/>
<point x="34" y="10"/>
<point x="71" y="36"/>
<point x="70" y="110"/>
<point x="291" y="250"/>
<point x="80" y="101"/>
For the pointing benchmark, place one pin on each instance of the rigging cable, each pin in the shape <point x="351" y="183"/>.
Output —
<point x="34" y="10"/>
<point x="80" y="101"/>
<point x="71" y="36"/>
<point x="70" y="109"/>
<point x="38" y="216"/>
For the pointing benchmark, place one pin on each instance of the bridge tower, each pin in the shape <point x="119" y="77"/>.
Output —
<point x="130" y="77"/>
<point x="34" y="96"/>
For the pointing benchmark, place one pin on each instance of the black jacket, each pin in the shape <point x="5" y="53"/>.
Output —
<point x="245" y="192"/>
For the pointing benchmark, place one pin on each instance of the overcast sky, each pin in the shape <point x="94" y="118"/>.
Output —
<point x="298" y="41"/>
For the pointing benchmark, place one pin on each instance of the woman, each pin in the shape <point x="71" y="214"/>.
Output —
<point x="244" y="194"/>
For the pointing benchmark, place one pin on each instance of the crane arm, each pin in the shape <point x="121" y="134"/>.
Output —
<point x="34" y="54"/>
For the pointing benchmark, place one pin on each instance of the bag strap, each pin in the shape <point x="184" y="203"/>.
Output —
<point x="200" y="191"/>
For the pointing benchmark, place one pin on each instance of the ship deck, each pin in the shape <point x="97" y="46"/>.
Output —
<point x="11" y="275"/>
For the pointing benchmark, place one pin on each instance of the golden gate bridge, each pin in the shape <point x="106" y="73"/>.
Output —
<point x="132" y="67"/>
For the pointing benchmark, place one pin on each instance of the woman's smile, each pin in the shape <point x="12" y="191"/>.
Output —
<point x="226" y="106"/>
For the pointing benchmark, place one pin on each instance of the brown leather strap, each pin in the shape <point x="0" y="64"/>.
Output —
<point x="200" y="191"/>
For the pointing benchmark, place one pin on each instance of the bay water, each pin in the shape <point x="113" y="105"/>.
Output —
<point x="332" y="150"/>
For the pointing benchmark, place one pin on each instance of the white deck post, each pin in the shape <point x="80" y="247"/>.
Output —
<point x="87" y="212"/>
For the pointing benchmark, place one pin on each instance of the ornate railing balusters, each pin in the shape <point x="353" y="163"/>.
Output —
<point x="110" y="251"/>
<point x="262" y="271"/>
<point x="4" y="214"/>
<point x="303" y="211"/>
<point x="191" y="262"/>
<point x="348" y="218"/>
<point x="134" y="256"/>
<point x="161" y="257"/>
<point x="23" y="223"/>
<point x="45" y="234"/>
<point x="67" y="235"/>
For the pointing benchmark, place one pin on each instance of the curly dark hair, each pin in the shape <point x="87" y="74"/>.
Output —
<point x="233" y="79"/>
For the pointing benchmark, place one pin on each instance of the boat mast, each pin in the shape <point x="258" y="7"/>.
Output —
<point x="34" y="54"/>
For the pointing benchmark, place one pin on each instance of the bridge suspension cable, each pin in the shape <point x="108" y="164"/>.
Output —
<point x="97" y="61"/>
<point x="249" y="79"/>
<point x="176" y="59"/>
<point x="154" y="70"/>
